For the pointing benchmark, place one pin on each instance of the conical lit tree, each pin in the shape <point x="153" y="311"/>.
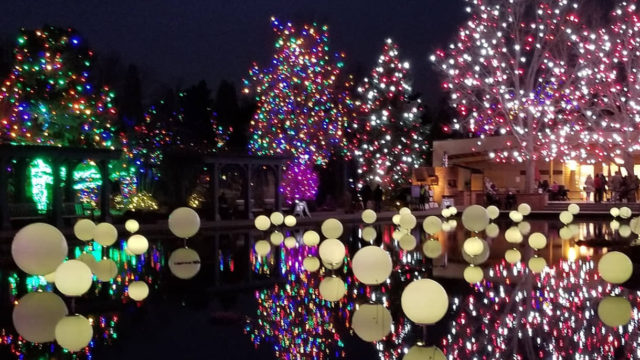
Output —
<point x="48" y="98"/>
<point x="389" y="138"/>
<point x="302" y="110"/>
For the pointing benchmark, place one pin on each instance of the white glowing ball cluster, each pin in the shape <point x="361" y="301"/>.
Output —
<point x="424" y="301"/>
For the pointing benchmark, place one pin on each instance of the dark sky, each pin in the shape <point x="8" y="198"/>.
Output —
<point x="183" y="41"/>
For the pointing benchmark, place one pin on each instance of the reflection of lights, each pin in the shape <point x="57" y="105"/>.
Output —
<point x="572" y="254"/>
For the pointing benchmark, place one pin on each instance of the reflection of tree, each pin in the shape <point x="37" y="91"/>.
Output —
<point x="550" y="315"/>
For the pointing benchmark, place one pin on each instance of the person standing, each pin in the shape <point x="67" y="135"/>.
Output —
<point x="423" y="197"/>
<point x="365" y="194"/>
<point x="589" y="187"/>
<point x="597" y="184"/>
<point x="617" y="184"/>
<point x="377" y="198"/>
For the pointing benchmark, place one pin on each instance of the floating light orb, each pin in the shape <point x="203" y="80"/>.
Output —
<point x="262" y="248"/>
<point x="634" y="224"/>
<point x="184" y="263"/>
<point x="371" y="322"/>
<point x="432" y="225"/>
<point x="424" y="301"/>
<point x="566" y="233"/>
<point x="478" y="259"/>
<point x="404" y="211"/>
<point x="524" y="209"/>
<point x="614" y="224"/>
<point x="262" y="222"/>
<point x="371" y="265"/>
<point x="624" y="231"/>
<point x="537" y="240"/>
<point x="332" y="251"/>
<point x="137" y="244"/>
<point x="524" y="227"/>
<point x="88" y="259"/>
<point x="369" y="234"/>
<point x="332" y="288"/>
<point x="105" y="234"/>
<point x="475" y="218"/>
<point x="473" y="246"/>
<point x="311" y="238"/>
<point x="38" y="249"/>
<point x="105" y="270"/>
<point x="473" y="274"/>
<point x="84" y="229"/>
<point x="331" y="228"/>
<point x="395" y="219"/>
<point x="615" y="267"/>
<point x="418" y="352"/>
<point x="138" y="290"/>
<point x="184" y="222"/>
<point x="432" y="249"/>
<point x="625" y="212"/>
<point x="36" y="314"/>
<point x="446" y="227"/>
<point x="614" y="211"/>
<point x="276" y="238"/>
<point x="492" y="230"/>
<point x="311" y="263"/>
<point x="74" y="332"/>
<point x="566" y="217"/>
<point x="73" y="278"/>
<point x="369" y="216"/>
<point x="512" y="256"/>
<point x="453" y="211"/>
<point x="513" y="235"/>
<point x="407" y="221"/>
<point x="574" y="209"/>
<point x="452" y="224"/>
<point x="407" y="242"/>
<point x="493" y="212"/>
<point x="537" y="264"/>
<point x="132" y="225"/>
<point x="290" y="221"/>
<point x="290" y="242"/>
<point x="515" y="216"/>
<point x="276" y="218"/>
<point x="615" y="311"/>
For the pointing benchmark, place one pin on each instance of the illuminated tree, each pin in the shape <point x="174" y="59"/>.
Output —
<point x="302" y="110"/>
<point x="509" y="72"/>
<point x="389" y="140"/>
<point x="607" y="91"/>
<point x="48" y="98"/>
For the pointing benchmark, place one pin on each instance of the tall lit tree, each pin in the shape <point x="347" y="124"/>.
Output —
<point x="509" y="72"/>
<point x="48" y="98"/>
<point x="608" y="91"/>
<point x="389" y="139"/>
<point x="302" y="110"/>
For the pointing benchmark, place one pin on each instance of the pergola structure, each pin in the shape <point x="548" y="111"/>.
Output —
<point x="57" y="157"/>
<point x="249" y="164"/>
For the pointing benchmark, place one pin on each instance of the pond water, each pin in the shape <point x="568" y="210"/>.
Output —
<point x="242" y="306"/>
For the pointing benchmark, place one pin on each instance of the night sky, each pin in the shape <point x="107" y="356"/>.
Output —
<point x="181" y="42"/>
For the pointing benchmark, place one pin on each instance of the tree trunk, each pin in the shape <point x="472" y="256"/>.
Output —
<point x="628" y="163"/>
<point x="530" y="184"/>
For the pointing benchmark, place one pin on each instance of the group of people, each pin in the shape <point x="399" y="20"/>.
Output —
<point x="366" y="194"/>
<point x="623" y="188"/>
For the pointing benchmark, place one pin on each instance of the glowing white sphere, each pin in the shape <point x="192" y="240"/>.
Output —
<point x="290" y="221"/>
<point x="424" y="301"/>
<point x="371" y="322"/>
<point x="615" y="311"/>
<point x="184" y="222"/>
<point x="432" y="249"/>
<point x="369" y="234"/>
<point x="407" y="242"/>
<point x="513" y="235"/>
<point x="473" y="246"/>
<point x="262" y="248"/>
<point x="50" y="278"/>
<point x="452" y="224"/>
<point x="515" y="216"/>
<point x="137" y="244"/>
<point x="537" y="240"/>
<point x="418" y="352"/>
<point x="333" y="266"/>
<point x="614" y="224"/>
<point x="524" y="227"/>
<point x="371" y="265"/>
<point x="138" y="290"/>
<point x="614" y="211"/>
<point x="290" y="242"/>
<point x="566" y="233"/>
<point x="331" y="228"/>
<point x="625" y="212"/>
<point x="38" y="248"/>
<point x="475" y="218"/>
<point x="36" y="314"/>
<point x="492" y="230"/>
<point x="404" y="210"/>
<point x="395" y="219"/>
<point x="453" y="211"/>
<point x="369" y="216"/>
<point x="73" y="278"/>
<point x="311" y="238"/>
<point x="311" y="263"/>
<point x="512" y="256"/>
<point x="332" y="251"/>
<point x="537" y="264"/>
<point x="276" y="238"/>
<point x="624" y="231"/>
<point x="184" y="263"/>
<point x="276" y="218"/>
<point x="445" y="213"/>
<point x="105" y="270"/>
<point x="397" y="234"/>
<point x="332" y="288"/>
<point x="478" y="259"/>
<point x="473" y="274"/>
<point x="524" y="209"/>
<point x="262" y="222"/>
<point x="634" y="224"/>
<point x="105" y="234"/>
<point x="407" y="221"/>
<point x="574" y="209"/>
<point x="615" y="267"/>
<point x="88" y="259"/>
<point x="132" y="225"/>
<point x="566" y="217"/>
<point x="84" y="229"/>
<point x="446" y="227"/>
<point x="432" y="225"/>
<point x="74" y="332"/>
<point x="493" y="212"/>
